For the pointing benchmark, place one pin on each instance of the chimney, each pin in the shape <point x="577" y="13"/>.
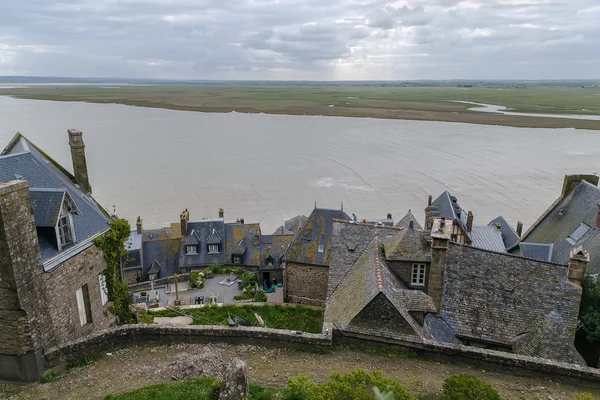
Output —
<point x="184" y="218"/>
<point x="429" y="200"/>
<point x="442" y="222"/>
<point x="577" y="266"/>
<point x="571" y="182"/>
<point x="469" y="221"/>
<point x="256" y="238"/>
<point x="79" y="162"/>
<point x="389" y="216"/>
<point x="221" y="213"/>
<point x="354" y="217"/>
<point x="138" y="225"/>
<point x="519" y="229"/>
<point x="435" y="278"/>
<point x="241" y="220"/>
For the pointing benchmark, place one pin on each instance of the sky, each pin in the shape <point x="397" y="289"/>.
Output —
<point x="301" y="39"/>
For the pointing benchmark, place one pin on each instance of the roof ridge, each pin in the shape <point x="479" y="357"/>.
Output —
<point x="343" y="221"/>
<point x="507" y="254"/>
<point x="378" y="269"/>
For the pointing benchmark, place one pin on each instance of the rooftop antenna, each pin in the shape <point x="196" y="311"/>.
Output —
<point x="342" y="205"/>
<point x="315" y="204"/>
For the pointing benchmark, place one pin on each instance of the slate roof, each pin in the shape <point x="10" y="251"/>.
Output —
<point x="240" y="239"/>
<point x="405" y="221"/>
<point x="549" y="339"/>
<point x="296" y="223"/>
<point x="348" y="242"/>
<point x="496" y="297"/>
<point x="316" y="232"/>
<point x="46" y="205"/>
<point x="282" y="230"/>
<point x="192" y="239"/>
<point x="164" y="251"/>
<point x="537" y="251"/>
<point x="439" y="329"/>
<point x="21" y="159"/>
<point x="563" y="218"/>
<point x="408" y="245"/>
<point x="204" y="230"/>
<point x="447" y="206"/>
<point x="487" y="238"/>
<point x="509" y="235"/>
<point x="276" y="246"/>
<point x="154" y="267"/>
<point x="369" y="285"/>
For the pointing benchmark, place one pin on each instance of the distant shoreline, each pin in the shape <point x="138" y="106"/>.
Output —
<point x="447" y="104"/>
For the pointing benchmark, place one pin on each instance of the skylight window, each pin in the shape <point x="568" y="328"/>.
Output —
<point x="321" y="248"/>
<point x="578" y="234"/>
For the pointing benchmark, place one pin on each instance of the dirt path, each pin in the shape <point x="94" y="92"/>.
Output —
<point x="136" y="367"/>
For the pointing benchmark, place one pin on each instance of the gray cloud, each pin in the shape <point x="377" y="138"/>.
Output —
<point x="301" y="39"/>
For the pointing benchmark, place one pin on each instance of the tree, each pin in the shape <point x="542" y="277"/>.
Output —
<point x="589" y="311"/>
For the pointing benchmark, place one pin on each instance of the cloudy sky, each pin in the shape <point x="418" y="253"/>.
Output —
<point x="301" y="39"/>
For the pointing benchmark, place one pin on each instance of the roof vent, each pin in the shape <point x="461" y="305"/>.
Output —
<point x="561" y="211"/>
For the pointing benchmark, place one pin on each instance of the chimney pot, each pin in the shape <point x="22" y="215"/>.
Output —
<point x="519" y="229"/>
<point x="79" y="161"/>
<point x="389" y="216"/>
<point x="469" y="221"/>
<point x="221" y="213"/>
<point x="429" y="200"/>
<point x="241" y="220"/>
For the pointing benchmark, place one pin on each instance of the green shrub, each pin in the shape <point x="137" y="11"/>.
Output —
<point x="260" y="296"/>
<point x="237" y="271"/>
<point x="143" y="293"/>
<point x="196" y="280"/>
<point x="584" y="396"/>
<point x="48" y="378"/>
<point x="243" y="296"/>
<point x="258" y="392"/>
<point x="227" y="270"/>
<point x="216" y="268"/>
<point x="467" y="387"/>
<point x="358" y="385"/>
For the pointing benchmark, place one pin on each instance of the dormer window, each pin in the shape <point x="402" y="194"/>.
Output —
<point x="213" y="248"/>
<point x="270" y="261"/>
<point x="236" y="259"/>
<point x="191" y="249"/>
<point x="64" y="231"/>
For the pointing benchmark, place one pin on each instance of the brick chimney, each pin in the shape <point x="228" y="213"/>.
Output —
<point x="221" y="213"/>
<point x="577" y="266"/>
<point x="184" y="218"/>
<point x="79" y="163"/>
<point x="440" y="236"/>
<point x="138" y="225"/>
<point x="519" y="229"/>
<point x="469" y="221"/>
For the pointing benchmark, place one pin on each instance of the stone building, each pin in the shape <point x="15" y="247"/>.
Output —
<point x="411" y="286"/>
<point x="497" y="235"/>
<point x="52" y="289"/>
<point x="572" y="220"/>
<point x="307" y="258"/>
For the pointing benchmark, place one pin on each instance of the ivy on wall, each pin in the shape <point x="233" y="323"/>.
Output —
<point x="113" y="245"/>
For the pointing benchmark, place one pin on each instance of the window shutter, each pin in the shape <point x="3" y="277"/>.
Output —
<point x="81" y="306"/>
<point x="103" y="289"/>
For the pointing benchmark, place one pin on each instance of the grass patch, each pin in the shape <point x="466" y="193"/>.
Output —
<point x="49" y="378"/>
<point x="300" y="318"/>
<point x="200" y="389"/>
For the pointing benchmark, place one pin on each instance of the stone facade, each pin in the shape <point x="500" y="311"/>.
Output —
<point x="38" y="309"/>
<point x="306" y="284"/>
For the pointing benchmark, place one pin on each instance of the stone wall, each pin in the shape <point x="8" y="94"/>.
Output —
<point x="113" y="338"/>
<point x="483" y="358"/>
<point x="61" y="284"/>
<point x="306" y="284"/>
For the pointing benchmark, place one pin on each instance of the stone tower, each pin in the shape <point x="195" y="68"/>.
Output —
<point x="21" y="302"/>
<point x="79" y="162"/>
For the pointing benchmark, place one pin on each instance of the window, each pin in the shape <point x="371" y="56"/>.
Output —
<point x="236" y="259"/>
<point x="321" y="248"/>
<point x="578" y="234"/>
<point x="269" y="261"/>
<point x="191" y="249"/>
<point x="103" y="289"/>
<point x="213" y="248"/>
<point x="84" y="306"/>
<point x="64" y="231"/>
<point x="418" y="274"/>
